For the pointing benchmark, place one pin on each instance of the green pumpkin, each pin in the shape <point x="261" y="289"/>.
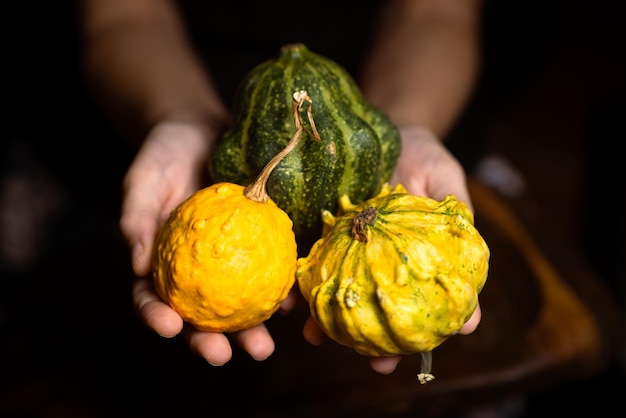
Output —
<point x="356" y="153"/>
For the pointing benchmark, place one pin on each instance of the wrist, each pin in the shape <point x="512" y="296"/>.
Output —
<point x="200" y="129"/>
<point x="413" y="132"/>
<point x="185" y="140"/>
<point x="208" y="123"/>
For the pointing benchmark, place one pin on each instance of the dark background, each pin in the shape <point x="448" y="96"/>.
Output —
<point x="551" y="101"/>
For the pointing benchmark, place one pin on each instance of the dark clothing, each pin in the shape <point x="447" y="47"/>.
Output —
<point x="234" y="36"/>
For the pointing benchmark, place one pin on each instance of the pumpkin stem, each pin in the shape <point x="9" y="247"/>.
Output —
<point x="299" y="98"/>
<point x="256" y="190"/>
<point x="365" y="217"/>
<point x="425" y="375"/>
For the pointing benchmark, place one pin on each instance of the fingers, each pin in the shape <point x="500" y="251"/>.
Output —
<point x="155" y="313"/>
<point x="139" y="224"/>
<point x="472" y="323"/>
<point x="384" y="365"/>
<point x="215" y="347"/>
<point x="139" y="231"/>
<point x="291" y="301"/>
<point x="315" y="336"/>
<point x="256" y="341"/>
<point x="211" y="346"/>
<point x="141" y="212"/>
<point x="387" y="365"/>
<point x="313" y="333"/>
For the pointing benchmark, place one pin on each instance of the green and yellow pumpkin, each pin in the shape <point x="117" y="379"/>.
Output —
<point x="396" y="274"/>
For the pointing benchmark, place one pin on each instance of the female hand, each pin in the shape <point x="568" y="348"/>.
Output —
<point x="169" y="167"/>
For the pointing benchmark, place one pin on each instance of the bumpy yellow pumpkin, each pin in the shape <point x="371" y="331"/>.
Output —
<point x="225" y="262"/>
<point x="396" y="274"/>
<point x="225" y="258"/>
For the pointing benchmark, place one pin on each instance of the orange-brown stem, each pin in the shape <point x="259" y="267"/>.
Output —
<point x="256" y="190"/>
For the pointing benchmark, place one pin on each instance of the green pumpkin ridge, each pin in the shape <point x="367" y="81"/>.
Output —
<point x="357" y="152"/>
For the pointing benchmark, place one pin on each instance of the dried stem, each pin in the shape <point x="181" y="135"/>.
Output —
<point x="425" y="375"/>
<point x="366" y="217"/>
<point x="257" y="189"/>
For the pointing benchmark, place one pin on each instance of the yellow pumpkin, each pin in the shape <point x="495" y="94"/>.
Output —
<point x="225" y="259"/>
<point x="396" y="274"/>
<point x="225" y="262"/>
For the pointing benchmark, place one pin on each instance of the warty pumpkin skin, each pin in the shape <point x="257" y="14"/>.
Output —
<point x="396" y="274"/>
<point x="357" y="151"/>
<point x="225" y="262"/>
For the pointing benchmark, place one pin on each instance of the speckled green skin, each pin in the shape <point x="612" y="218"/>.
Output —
<point x="357" y="153"/>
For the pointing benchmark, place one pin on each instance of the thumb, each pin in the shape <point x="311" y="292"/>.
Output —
<point x="140" y="234"/>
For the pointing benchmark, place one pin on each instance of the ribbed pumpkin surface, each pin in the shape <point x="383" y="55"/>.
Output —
<point x="408" y="286"/>
<point x="357" y="152"/>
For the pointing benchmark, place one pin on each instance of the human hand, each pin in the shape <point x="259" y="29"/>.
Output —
<point x="425" y="168"/>
<point x="169" y="167"/>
